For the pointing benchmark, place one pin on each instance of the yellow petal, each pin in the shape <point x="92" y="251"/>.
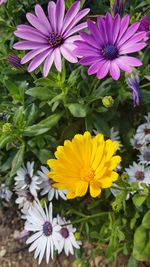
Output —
<point x="81" y="189"/>
<point x="95" y="189"/>
<point x="71" y="195"/>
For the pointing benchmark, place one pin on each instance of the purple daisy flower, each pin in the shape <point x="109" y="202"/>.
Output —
<point x="50" y="37"/>
<point x="105" y="49"/>
<point x="145" y="26"/>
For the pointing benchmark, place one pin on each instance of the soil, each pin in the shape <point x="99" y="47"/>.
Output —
<point x="14" y="253"/>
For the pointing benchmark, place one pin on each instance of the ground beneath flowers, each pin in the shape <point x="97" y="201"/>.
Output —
<point x="14" y="253"/>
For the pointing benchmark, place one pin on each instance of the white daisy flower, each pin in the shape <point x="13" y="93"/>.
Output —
<point x="47" y="236"/>
<point x="47" y="186"/>
<point x="137" y="144"/>
<point x="5" y="193"/>
<point x="147" y="117"/>
<point x="68" y="240"/>
<point x="144" y="157"/>
<point x="114" y="136"/>
<point x="26" y="179"/>
<point x="143" y="133"/>
<point x="138" y="173"/>
<point x="25" y="201"/>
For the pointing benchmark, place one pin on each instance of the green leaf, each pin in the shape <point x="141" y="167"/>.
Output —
<point x="43" y="126"/>
<point x="43" y="93"/>
<point x="138" y="200"/>
<point x="146" y="220"/>
<point x="18" y="160"/>
<point x="141" y="246"/>
<point x="77" y="110"/>
<point x="100" y="124"/>
<point x="31" y="114"/>
<point x="132" y="262"/>
<point x="4" y="139"/>
<point x="19" y="118"/>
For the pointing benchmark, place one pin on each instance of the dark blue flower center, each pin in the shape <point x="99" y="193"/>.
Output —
<point x="64" y="232"/>
<point x="139" y="175"/>
<point x="28" y="179"/>
<point x="110" y="52"/>
<point x="55" y="40"/>
<point x="47" y="228"/>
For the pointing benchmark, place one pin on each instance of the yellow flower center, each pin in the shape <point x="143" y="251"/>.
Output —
<point x="87" y="174"/>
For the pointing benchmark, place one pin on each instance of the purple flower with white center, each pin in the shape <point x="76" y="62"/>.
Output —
<point x="119" y="7"/>
<point x="133" y="81"/>
<point x="145" y="26"/>
<point x="47" y="236"/>
<point x="68" y="240"/>
<point x="105" y="49"/>
<point x="49" y="38"/>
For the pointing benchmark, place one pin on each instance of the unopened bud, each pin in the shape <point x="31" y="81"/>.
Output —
<point x="108" y="101"/>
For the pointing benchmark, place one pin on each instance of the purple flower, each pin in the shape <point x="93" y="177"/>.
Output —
<point x="133" y="82"/>
<point x="105" y="49"/>
<point x="2" y="2"/>
<point x="14" y="61"/>
<point x="50" y="37"/>
<point x="145" y="26"/>
<point x="119" y="7"/>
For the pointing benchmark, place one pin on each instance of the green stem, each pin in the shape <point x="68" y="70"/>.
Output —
<point x="88" y="217"/>
<point x="145" y="85"/>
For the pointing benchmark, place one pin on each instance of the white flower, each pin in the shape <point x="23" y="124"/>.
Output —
<point x="47" y="236"/>
<point x="139" y="173"/>
<point x="114" y="136"/>
<point x="68" y="240"/>
<point x="147" y="117"/>
<point x="5" y="193"/>
<point x="143" y="133"/>
<point x="144" y="157"/>
<point x="25" y="201"/>
<point x="47" y="186"/>
<point x="137" y="144"/>
<point x="25" y="179"/>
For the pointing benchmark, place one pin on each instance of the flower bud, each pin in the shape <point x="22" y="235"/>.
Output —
<point x="108" y="101"/>
<point x="14" y="61"/>
<point x="7" y="127"/>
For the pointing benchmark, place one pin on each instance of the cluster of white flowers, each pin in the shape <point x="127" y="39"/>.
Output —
<point x="141" y="141"/>
<point x="50" y="234"/>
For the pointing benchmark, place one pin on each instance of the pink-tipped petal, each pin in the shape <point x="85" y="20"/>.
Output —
<point x="57" y="59"/>
<point x="68" y="55"/>
<point x="71" y="13"/>
<point x="103" y="69"/>
<point x="114" y="70"/>
<point x="32" y="54"/>
<point x="42" y="17"/>
<point x="132" y="48"/>
<point x="131" y="61"/>
<point x="123" y="65"/>
<point x="52" y="15"/>
<point x="30" y="37"/>
<point x="60" y="11"/>
<point x="27" y="45"/>
<point x="36" y="62"/>
<point x="48" y="64"/>
<point x="34" y="21"/>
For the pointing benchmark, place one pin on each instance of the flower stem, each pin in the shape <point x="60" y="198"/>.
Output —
<point x="145" y="85"/>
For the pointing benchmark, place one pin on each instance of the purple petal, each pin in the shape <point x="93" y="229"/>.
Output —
<point x="30" y="37"/>
<point x="114" y="70"/>
<point x="60" y="11"/>
<point x="67" y="54"/>
<point x="133" y="40"/>
<point x="130" y="32"/>
<point x="102" y="29"/>
<point x="30" y="29"/>
<point x="123" y="65"/>
<point x="52" y="15"/>
<point x="84" y="45"/>
<point x="42" y="17"/>
<point x="74" y="38"/>
<point x="48" y="63"/>
<point x="131" y="61"/>
<point x="109" y="25"/>
<point x="104" y="67"/>
<point x="74" y="22"/>
<point x="123" y="27"/>
<point x="94" y="68"/>
<point x="77" y="28"/>
<point x="116" y="28"/>
<point x="32" y="54"/>
<point x="82" y="52"/>
<point x="71" y="13"/>
<point x="132" y="48"/>
<point x="57" y="59"/>
<point x="89" y="39"/>
<point x="27" y="45"/>
<point x="34" y="21"/>
<point x="88" y="60"/>
<point x="38" y="60"/>
<point x="97" y="35"/>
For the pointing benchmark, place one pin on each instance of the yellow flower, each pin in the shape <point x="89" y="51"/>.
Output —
<point x="84" y="162"/>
